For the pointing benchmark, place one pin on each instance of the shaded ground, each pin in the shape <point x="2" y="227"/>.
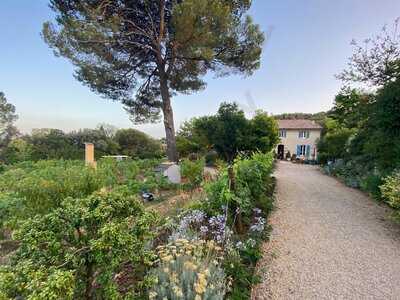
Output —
<point x="328" y="242"/>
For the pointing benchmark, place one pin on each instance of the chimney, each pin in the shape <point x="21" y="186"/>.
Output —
<point x="89" y="155"/>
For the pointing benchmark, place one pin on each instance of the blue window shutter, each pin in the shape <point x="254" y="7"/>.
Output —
<point x="308" y="149"/>
<point x="298" y="150"/>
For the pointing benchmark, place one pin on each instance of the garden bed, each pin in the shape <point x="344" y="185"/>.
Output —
<point x="87" y="234"/>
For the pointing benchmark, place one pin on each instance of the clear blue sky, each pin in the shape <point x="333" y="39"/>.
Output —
<point x="309" y="43"/>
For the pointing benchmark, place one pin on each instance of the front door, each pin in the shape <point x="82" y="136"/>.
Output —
<point x="281" y="151"/>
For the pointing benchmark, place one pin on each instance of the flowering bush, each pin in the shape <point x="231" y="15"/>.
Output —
<point x="189" y="270"/>
<point x="391" y="192"/>
<point x="195" y="224"/>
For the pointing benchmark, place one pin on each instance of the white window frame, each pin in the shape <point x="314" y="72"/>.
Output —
<point x="282" y="133"/>
<point x="304" y="134"/>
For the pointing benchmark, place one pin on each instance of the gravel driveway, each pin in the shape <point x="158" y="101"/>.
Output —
<point x="328" y="242"/>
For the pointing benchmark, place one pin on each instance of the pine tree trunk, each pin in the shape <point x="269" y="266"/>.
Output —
<point x="168" y="120"/>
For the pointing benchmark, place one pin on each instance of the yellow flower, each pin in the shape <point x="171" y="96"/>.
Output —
<point x="198" y="297"/>
<point x="177" y="291"/>
<point x="152" y="295"/>
<point x="199" y="288"/>
<point x="167" y="258"/>
<point x="174" y="277"/>
<point x="190" y="266"/>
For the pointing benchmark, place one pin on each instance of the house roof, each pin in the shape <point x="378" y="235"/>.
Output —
<point x="298" y="124"/>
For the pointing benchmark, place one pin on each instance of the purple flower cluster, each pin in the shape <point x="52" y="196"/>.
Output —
<point x="189" y="222"/>
<point x="196" y="224"/>
<point x="218" y="230"/>
<point x="258" y="225"/>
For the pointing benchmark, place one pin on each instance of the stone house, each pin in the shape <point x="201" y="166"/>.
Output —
<point x="298" y="137"/>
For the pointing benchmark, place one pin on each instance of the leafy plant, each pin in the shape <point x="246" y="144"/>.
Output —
<point x="80" y="249"/>
<point x="211" y="158"/>
<point x="391" y="192"/>
<point x="192" y="171"/>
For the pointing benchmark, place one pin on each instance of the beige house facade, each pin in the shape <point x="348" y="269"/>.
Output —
<point x="298" y="137"/>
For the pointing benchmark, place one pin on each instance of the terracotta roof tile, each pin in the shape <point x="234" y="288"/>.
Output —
<point x="298" y="124"/>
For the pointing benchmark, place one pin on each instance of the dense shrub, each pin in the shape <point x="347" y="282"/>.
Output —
<point x="42" y="186"/>
<point x="30" y="188"/>
<point x="137" y="144"/>
<point x="211" y="158"/>
<point x="81" y="249"/>
<point x="391" y="192"/>
<point x="370" y="183"/>
<point x="253" y="180"/>
<point x="192" y="171"/>
<point x="254" y="174"/>
<point x="391" y="189"/>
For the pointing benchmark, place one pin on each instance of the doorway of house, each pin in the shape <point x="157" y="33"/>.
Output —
<point x="281" y="151"/>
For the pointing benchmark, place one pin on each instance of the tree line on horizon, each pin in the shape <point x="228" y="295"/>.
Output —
<point x="50" y="143"/>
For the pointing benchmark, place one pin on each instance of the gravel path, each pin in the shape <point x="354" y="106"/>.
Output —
<point x="328" y="242"/>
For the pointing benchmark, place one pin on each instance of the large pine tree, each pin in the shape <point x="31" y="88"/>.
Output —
<point x="141" y="52"/>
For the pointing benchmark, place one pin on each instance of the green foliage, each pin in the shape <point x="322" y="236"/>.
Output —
<point x="242" y="274"/>
<point x="186" y="146"/>
<point x="334" y="143"/>
<point x="383" y="128"/>
<point x="254" y="190"/>
<point x="229" y="132"/>
<point x="52" y="144"/>
<point x="44" y="185"/>
<point x="264" y="132"/>
<point x="211" y="158"/>
<point x="16" y="151"/>
<point x="364" y="136"/>
<point x="189" y="270"/>
<point x="7" y="119"/>
<point x="55" y="144"/>
<point x="254" y="186"/>
<point x="137" y="144"/>
<point x="192" y="171"/>
<point x="191" y="138"/>
<point x="218" y="194"/>
<point x="79" y="249"/>
<point x="253" y="174"/>
<point x="351" y="108"/>
<point x="376" y="61"/>
<point x="370" y="183"/>
<point x="391" y="190"/>
<point x="30" y="188"/>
